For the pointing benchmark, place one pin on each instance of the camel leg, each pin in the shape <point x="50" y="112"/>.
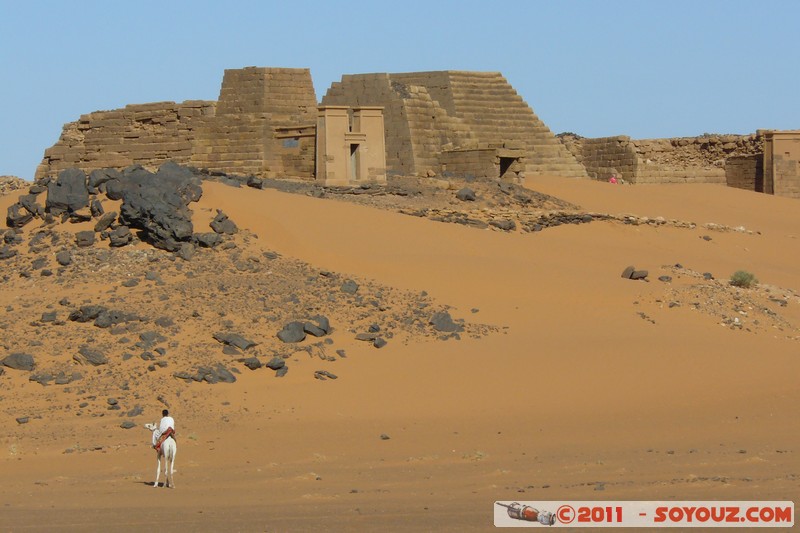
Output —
<point x="158" y="470"/>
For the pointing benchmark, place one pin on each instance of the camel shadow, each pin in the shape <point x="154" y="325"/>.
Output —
<point x="150" y="483"/>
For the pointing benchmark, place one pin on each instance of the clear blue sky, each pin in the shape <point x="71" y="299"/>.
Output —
<point x="643" y="68"/>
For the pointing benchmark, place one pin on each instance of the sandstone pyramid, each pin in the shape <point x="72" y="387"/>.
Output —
<point x="428" y="112"/>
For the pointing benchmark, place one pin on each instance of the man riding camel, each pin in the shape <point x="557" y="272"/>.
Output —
<point x="166" y="427"/>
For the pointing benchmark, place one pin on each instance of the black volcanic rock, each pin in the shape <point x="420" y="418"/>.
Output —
<point x="19" y="361"/>
<point x="157" y="203"/>
<point x="442" y="321"/>
<point x="253" y="363"/>
<point x="87" y="355"/>
<point x="17" y="216"/>
<point x="186" y="251"/>
<point x="276" y="363"/>
<point x="7" y="253"/>
<point x="105" y="221"/>
<point x="87" y="313"/>
<point x="28" y="201"/>
<point x="103" y="175"/>
<point x="223" y="225"/>
<point x="120" y="236"/>
<point x="466" y="195"/>
<point x="207" y="240"/>
<point x="234" y="339"/>
<point x="628" y="272"/>
<point x="349" y="287"/>
<point x="292" y="332"/>
<point x="68" y="193"/>
<point x="84" y="239"/>
<point x="96" y="207"/>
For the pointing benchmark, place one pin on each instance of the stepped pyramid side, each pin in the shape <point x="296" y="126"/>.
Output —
<point x="412" y="144"/>
<point x="495" y="114"/>
<point x="253" y="103"/>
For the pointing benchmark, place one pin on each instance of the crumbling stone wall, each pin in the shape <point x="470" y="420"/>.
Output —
<point x="146" y="133"/>
<point x="678" y="160"/>
<point x="245" y="132"/>
<point x="431" y="112"/>
<point x="745" y="172"/>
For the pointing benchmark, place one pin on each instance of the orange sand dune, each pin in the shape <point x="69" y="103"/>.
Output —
<point x="576" y="397"/>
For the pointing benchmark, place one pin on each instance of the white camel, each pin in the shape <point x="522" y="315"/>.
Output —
<point x="168" y="450"/>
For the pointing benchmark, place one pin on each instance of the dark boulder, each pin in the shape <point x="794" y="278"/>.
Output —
<point x="90" y="356"/>
<point x="105" y="221"/>
<point x="313" y="329"/>
<point x="19" y="361"/>
<point x="442" y="321"/>
<point x="466" y="195"/>
<point x="68" y="193"/>
<point x="223" y="225"/>
<point x="7" y="253"/>
<point x="184" y="181"/>
<point x="292" y="332"/>
<point x="186" y="251"/>
<point x="276" y="363"/>
<point x="111" y="317"/>
<point x="318" y="326"/>
<point x="120" y="236"/>
<point x="87" y="313"/>
<point x="28" y="201"/>
<point x="157" y="203"/>
<point x="234" y="339"/>
<point x="504" y="224"/>
<point x="207" y="240"/>
<point x="17" y="216"/>
<point x="64" y="258"/>
<point x="11" y="237"/>
<point x="639" y="274"/>
<point x="223" y="374"/>
<point x="253" y="363"/>
<point x="81" y="215"/>
<point x="349" y="287"/>
<point x="322" y="323"/>
<point x="38" y="188"/>
<point x="115" y="188"/>
<point x="96" y="208"/>
<point x="380" y="342"/>
<point x="628" y="272"/>
<point x="101" y="176"/>
<point x="254" y="182"/>
<point x="84" y="239"/>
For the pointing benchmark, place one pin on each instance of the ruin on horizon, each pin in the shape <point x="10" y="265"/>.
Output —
<point x="267" y="123"/>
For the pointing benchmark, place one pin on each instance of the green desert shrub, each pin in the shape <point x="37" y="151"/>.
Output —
<point x="742" y="278"/>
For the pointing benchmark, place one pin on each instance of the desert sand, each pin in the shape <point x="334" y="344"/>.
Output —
<point x="581" y="385"/>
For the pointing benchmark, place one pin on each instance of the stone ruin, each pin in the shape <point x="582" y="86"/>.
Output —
<point x="677" y="160"/>
<point x="263" y="124"/>
<point x="266" y="123"/>
<point x="453" y="122"/>
<point x="741" y="161"/>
